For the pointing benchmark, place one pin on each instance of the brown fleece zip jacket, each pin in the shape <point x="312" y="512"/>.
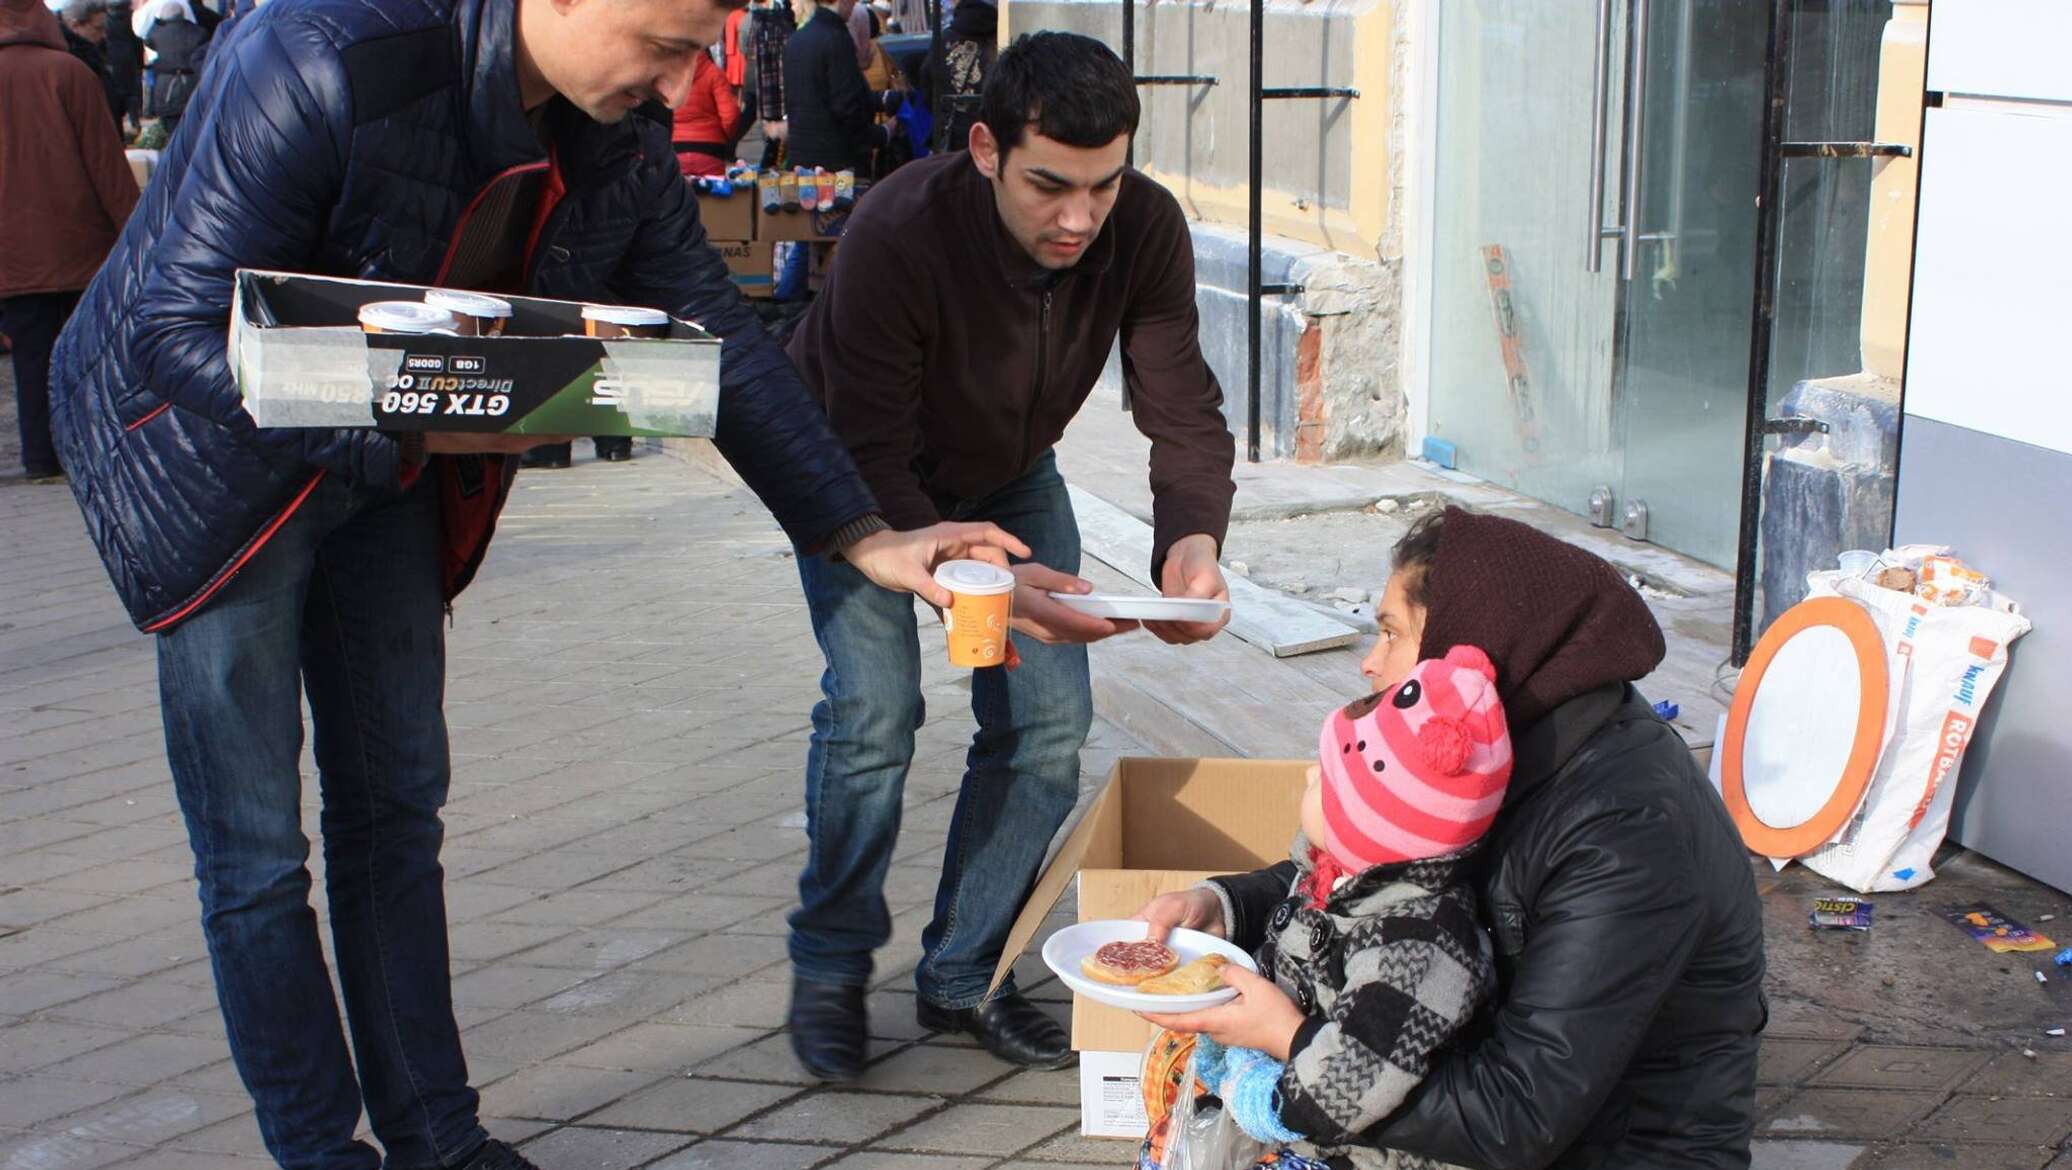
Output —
<point x="949" y="361"/>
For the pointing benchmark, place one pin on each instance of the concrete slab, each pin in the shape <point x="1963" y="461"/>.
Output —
<point x="688" y="1105"/>
<point x="1842" y="1114"/>
<point x="1786" y="1061"/>
<point x="1946" y="1156"/>
<point x="1970" y="1121"/>
<point x="1879" y="1066"/>
<point x="998" y="1130"/>
<point x="737" y="1155"/>
<point x="835" y="1116"/>
<point x="601" y="1149"/>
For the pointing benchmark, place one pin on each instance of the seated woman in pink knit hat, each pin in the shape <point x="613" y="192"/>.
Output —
<point x="1376" y="940"/>
<point x="1620" y="1028"/>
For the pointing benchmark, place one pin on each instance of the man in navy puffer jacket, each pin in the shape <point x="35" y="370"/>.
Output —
<point x="504" y="145"/>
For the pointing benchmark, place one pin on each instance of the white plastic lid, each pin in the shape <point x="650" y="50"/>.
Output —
<point x="467" y="304"/>
<point x="974" y="577"/>
<point x="625" y="315"/>
<point x="406" y="317"/>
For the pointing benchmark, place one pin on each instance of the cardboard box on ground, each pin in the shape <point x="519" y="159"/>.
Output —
<point x="1157" y="826"/>
<point x="730" y="218"/>
<point x="302" y="360"/>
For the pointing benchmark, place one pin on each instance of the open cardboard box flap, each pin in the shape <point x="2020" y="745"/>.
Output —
<point x="1159" y="825"/>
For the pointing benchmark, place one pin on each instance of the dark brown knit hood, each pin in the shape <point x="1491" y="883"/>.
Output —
<point x="1556" y="620"/>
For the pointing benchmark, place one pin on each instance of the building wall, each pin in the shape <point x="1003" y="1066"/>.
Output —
<point x="1986" y="450"/>
<point x="1331" y="211"/>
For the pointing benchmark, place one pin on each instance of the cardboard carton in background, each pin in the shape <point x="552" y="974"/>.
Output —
<point x="731" y="219"/>
<point x="801" y="225"/>
<point x="753" y="264"/>
<point x="302" y="360"/>
<point x="1158" y="826"/>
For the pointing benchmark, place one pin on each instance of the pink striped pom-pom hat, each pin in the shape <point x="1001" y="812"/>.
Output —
<point x="1418" y="770"/>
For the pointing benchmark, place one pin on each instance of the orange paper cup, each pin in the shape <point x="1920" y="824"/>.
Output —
<point x="982" y="599"/>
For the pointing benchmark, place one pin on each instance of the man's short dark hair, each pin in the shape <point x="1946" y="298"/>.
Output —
<point x="1062" y="85"/>
<point x="80" y="12"/>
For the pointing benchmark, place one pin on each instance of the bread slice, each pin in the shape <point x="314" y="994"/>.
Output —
<point x="1202" y="975"/>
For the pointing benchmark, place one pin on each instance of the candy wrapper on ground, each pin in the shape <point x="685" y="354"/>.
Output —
<point x="1996" y="931"/>
<point x="1840" y="914"/>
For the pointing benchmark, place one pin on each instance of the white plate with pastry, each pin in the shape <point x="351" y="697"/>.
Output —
<point x="1139" y="608"/>
<point x="1112" y="962"/>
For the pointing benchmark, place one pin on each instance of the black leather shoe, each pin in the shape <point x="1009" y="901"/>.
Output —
<point x="554" y="455"/>
<point x="496" y="1155"/>
<point x="616" y="454"/>
<point x="828" y="1024"/>
<point x="1008" y="1026"/>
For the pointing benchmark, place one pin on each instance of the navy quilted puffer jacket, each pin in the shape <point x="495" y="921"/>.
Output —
<point x="349" y="138"/>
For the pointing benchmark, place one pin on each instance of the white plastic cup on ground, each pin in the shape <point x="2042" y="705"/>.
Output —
<point x="1857" y="562"/>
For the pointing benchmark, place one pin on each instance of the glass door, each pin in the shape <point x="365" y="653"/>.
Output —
<point x="1522" y="326"/>
<point x="1598" y="163"/>
<point x="1695" y="156"/>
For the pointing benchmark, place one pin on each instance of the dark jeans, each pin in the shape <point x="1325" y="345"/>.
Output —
<point x="32" y="324"/>
<point x="1021" y="774"/>
<point x="343" y="603"/>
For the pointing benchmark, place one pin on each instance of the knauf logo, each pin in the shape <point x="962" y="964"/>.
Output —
<point x="1967" y="689"/>
<point x="1949" y="748"/>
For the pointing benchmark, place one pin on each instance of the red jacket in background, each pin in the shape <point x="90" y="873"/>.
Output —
<point x="706" y="117"/>
<point x="65" y="187"/>
<point x="737" y="61"/>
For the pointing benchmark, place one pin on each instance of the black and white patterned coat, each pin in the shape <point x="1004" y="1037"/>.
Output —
<point x="1388" y="971"/>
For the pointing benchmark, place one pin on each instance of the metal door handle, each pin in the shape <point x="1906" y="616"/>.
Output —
<point x="1636" y="142"/>
<point x="1593" y="248"/>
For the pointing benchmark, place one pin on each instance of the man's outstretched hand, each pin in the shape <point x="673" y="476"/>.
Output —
<point x="906" y="561"/>
<point x="1191" y="571"/>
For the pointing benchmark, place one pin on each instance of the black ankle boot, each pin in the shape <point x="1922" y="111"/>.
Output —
<point x="828" y="1027"/>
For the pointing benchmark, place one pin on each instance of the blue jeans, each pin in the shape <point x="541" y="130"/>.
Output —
<point x="1021" y="776"/>
<point x="345" y="602"/>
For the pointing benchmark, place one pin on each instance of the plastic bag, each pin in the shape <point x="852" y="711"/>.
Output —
<point x="1943" y="663"/>
<point x="1205" y="1138"/>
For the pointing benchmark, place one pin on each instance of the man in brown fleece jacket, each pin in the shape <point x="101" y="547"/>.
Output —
<point x="974" y="300"/>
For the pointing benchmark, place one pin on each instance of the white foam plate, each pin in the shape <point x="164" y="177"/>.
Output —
<point x="1134" y="607"/>
<point x="1069" y="946"/>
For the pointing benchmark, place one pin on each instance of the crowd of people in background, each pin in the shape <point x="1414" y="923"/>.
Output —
<point x="65" y="188"/>
<point x="815" y="82"/>
<point x="147" y="56"/>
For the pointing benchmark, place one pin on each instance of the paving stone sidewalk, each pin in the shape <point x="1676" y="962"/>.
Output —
<point x="628" y="696"/>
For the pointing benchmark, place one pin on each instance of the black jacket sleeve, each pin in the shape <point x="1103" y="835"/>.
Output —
<point x="1252" y="899"/>
<point x="1607" y="940"/>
